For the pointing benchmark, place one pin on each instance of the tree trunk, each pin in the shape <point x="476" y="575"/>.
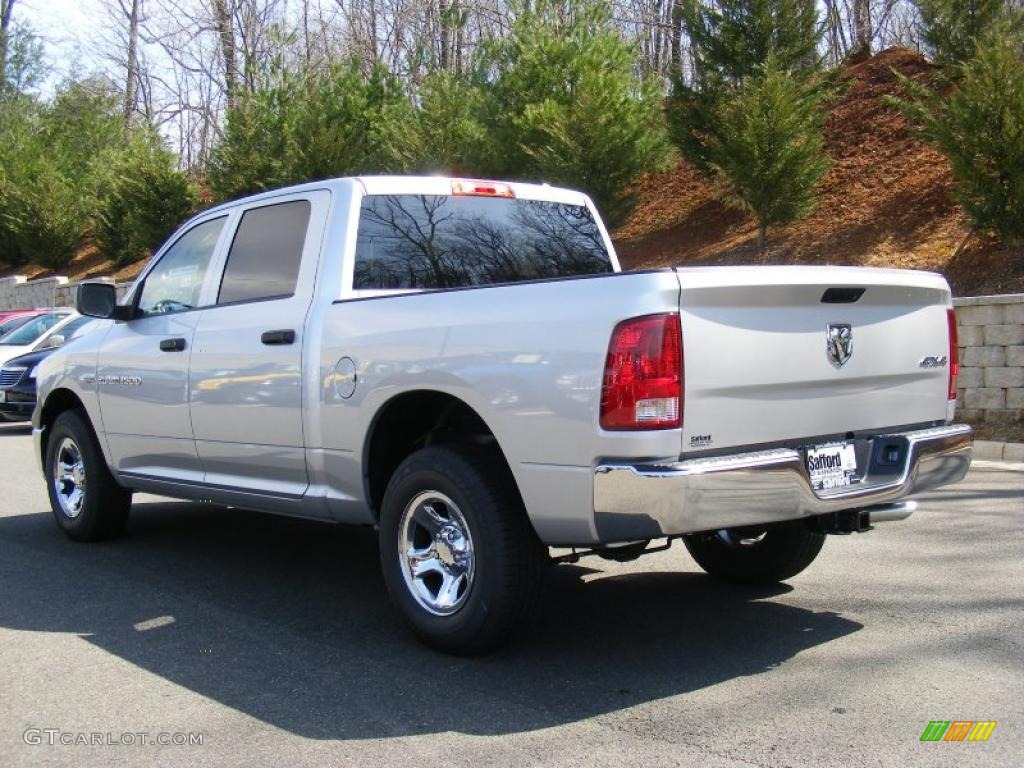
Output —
<point x="835" y="35"/>
<point x="224" y="20"/>
<point x="375" y="57"/>
<point x="6" y="9"/>
<point x="963" y="244"/>
<point x="676" y="44"/>
<point x="862" y="27"/>
<point x="443" y="31"/>
<point x="458" y="41"/>
<point x="762" y="237"/>
<point x="307" y="44"/>
<point x="132" y="80"/>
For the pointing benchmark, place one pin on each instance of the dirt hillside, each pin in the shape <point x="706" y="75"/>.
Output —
<point x="885" y="202"/>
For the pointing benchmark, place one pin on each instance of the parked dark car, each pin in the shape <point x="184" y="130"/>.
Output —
<point x="18" y="375"/>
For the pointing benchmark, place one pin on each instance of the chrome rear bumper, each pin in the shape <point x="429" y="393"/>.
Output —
<point x="634" y="502"/>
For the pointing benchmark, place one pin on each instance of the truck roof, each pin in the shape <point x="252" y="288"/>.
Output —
<point x="411" y="185"/>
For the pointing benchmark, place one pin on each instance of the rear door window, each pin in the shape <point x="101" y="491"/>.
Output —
<point x="264" y="259"/>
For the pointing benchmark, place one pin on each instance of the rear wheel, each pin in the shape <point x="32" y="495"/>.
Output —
<point x="756" y="555"/>
<point x="460" y="559"/>
<point x="87" y="502"/>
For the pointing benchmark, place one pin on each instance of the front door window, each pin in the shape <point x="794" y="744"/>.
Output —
<point x="175" y="283"/>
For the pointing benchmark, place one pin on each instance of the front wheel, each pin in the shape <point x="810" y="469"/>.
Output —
<point x="756" y="555"/>
<point x="460" y="559"/>
<point x="87" y="502"/>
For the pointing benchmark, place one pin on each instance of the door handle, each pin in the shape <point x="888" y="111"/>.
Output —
<point x="278" y="337"/>
<point x="172" y="345"/>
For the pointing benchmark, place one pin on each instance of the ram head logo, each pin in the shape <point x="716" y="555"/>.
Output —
<point x="839" y="343"/>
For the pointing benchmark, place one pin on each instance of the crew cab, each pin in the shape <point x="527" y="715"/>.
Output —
<point x="463" y="365"/>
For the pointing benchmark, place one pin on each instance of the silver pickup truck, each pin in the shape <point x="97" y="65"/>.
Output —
<point x="463" y="365"/>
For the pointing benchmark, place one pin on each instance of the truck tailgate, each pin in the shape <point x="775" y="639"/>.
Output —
<point x="757" y="365"/>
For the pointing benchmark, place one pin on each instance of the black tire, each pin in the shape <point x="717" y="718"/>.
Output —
<point x="103" y="510"/>
<point x="508" y="558"/>
<point x="783" y="552"/>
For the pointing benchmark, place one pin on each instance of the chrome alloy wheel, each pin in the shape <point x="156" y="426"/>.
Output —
<point x="435" y="553"/>
<point x="69" y="477"/>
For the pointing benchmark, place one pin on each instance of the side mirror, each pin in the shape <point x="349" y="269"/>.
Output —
<point x="100" y="300"/>
<point x="53" y="342"/>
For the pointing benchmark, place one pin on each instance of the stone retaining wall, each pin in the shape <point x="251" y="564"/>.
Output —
<point x="18" y="293"/>
<point x="991" y="337"/>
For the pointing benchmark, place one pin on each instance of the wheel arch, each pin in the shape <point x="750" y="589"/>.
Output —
<point x="57" y="402"/>
<point x="415" y="419"/>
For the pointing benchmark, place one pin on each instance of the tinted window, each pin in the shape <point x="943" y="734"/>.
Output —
<point x="417" y="241"/>
<point x="175" y="283"/>
<point x="265" y="256"/>
<point x="32" y="330"/>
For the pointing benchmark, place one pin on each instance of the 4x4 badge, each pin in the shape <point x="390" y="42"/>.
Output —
<point x="839" y="343"/>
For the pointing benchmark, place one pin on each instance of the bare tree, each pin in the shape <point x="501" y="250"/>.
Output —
<point x="6" y="11"/>
<point x="224" y="18"/>
<point x="132" y="77"/>
<point x="862" y="27"/>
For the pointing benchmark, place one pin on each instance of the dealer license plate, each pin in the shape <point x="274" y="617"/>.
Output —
<point x="3" y="396"/>
<point x="832" y="466"/>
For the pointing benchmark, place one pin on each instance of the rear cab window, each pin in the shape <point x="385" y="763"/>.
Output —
<point x="424" y="242"/>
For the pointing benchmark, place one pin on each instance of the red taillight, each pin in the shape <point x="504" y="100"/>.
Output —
<point x="482" y="188"/>
<point x="643" y="374"/>
<point x="954" y="353"/>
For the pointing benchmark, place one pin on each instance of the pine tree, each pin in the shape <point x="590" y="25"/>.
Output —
<point x="300" y="125"/>
<point x="144" y="198"/>
<point x="565" y="104"/>
<point x="752" y="118"/>
<point x="451" y="135"/>
<point x="951" y="28"/>
<point x="767" y="152"/>
<point x="51" y="156"/>
<point x="979" y="127"/>
<point x="731" y="39"/>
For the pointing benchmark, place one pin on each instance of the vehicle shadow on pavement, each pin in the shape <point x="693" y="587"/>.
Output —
<point x="288" y="621"/>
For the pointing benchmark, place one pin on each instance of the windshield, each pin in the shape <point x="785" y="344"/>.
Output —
<point x="15" y="322"/>
<point x="31" y="330"/>
<point x="445" y="241"/>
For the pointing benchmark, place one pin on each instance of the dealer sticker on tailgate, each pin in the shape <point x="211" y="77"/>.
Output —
<point x="832" y="466"/>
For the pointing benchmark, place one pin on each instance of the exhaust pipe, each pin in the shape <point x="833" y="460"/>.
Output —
<point x="887" y="513"/>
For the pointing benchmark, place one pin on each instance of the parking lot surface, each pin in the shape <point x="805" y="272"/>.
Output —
<point x="273" y="639"/>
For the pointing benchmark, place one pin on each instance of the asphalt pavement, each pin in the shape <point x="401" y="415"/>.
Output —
<point x="273" y="641"/>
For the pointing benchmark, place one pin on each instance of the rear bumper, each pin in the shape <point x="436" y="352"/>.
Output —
<point x="634" y="502"/>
